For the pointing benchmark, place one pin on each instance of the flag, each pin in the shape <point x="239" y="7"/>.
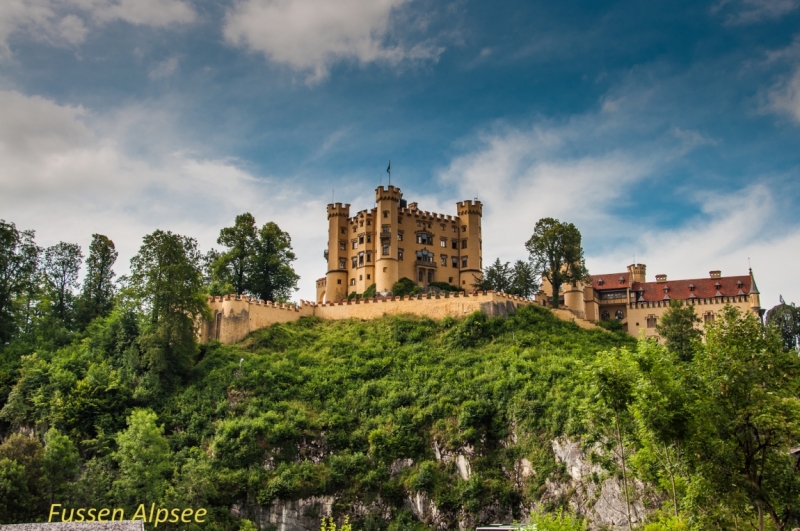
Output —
<point x="389" y="168"/>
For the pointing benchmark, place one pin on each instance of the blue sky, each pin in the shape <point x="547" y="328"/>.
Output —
<point x="666" y="132"/>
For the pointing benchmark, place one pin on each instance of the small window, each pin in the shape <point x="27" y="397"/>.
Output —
<point x="454" y="244"/>
<point x="455" y="261"/>
<point x="455" y="229"/>
<point x="419" y="223"/>
<point x="342" y="245"/>
<point x="604" y="315"/>
<point x="444" y="260"/>
<point x="369" y="256"/>
<point x="708" y="318"/>
<point x="344" y="231"/>
<point x="443" y="242"/>
<point x="442" y="226"/>
<point x="355" y="244"/>
<point x="352" y="282"/>
<point x="361" y="239"/>
<point x="386" y="229"/>
<point x="399" y="254"/>
<point x="399" y="235"/>
<point x="369" y="277"/>
<point x="619" y="314"/>
<point x="369" y="237"/>
<point x="424" y="239"/>
<point x="399" y="219"/>
<point x="360" y="277"/>
<point x="419" y="276"/>
<point x="651" y="321"/>
<point x="386" y="213"/>
<point x="339" y="281"/>
<point x="354" y="262"/>
<point x="369" y="222"/>
<point x="355" y="228"/>
<point x="361" y="258"/>
<point x="463" y="244"/>
<point x="342" y="263"/>
<point x="463" y="262"/>
<point x="463" y="228"/>
<point x="450" y="280"/>
<point x="361" y="223"/>
<point x="385" y="249"/>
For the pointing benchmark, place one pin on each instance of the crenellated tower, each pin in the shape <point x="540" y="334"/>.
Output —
<point x="386" y="263"/>
<point x="336" y="285"/>
<point x="470" y="243"/>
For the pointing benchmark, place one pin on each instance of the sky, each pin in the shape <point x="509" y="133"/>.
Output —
<point x="668" y="133"/>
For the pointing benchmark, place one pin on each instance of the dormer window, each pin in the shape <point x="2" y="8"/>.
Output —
<point x="717" y="285"/>
<point x="738" y="283"/>
<point x="621" y="280"/>
<point x="600" y="282"/>
<point x="691" y="287"/>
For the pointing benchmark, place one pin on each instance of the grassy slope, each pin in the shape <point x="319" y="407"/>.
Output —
<point x="328" y="406"/>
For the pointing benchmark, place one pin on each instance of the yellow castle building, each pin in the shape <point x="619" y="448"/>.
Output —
<point x="395" y="240"/>
<point x="638" y="304"/>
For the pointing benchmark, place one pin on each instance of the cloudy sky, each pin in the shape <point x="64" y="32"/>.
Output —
<point x="669" y="132"/>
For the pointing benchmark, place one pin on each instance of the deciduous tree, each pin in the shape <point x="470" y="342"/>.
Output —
<point x="97" y="295"/>
<point x="677" y="328"/>
<point x="556" y="254"/>
<point x="62" y="263"/>
<point x="19" y="257"/>
<point x="271" y="275"/>
<point x="235" y="265"/>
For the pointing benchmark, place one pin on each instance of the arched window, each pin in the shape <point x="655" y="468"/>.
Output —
<point x="604" y="315"/>
<point x="619" y="314"/>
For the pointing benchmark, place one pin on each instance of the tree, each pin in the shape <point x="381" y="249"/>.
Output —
<point x="405" y="286"/>
<point x="166" y="283"/>
<point x="61" y="463"/>
<point x="235" y="264"/>
<point x="271" y="275"/>
<point x="523" y="280"/>
<point x="19" y="258"/>
<point x="785" y="319"/>
<point x="62" y="262"/>
<point x="517" y="280"/>
<point x="677" y="328"/>
<point x="495" y="277"/>
<point x="556" y="254"/>
<point x="97" y="296"/>
<point x="749" y="387"/>
<point x="143" y="456"/>
<point x="21" y="480"/>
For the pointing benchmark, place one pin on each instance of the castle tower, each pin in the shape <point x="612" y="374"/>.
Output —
<point x="470" y="262"/>
<point x="637" y="272"/>
<point x="336" y="285"/>
<point x="386" y="264"/>
<point x="754" y="295"/>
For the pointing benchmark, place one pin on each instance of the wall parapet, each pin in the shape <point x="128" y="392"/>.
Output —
<point x="692" y="302"/>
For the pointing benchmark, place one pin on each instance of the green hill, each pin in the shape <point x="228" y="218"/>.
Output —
<point x="368" y="416"/>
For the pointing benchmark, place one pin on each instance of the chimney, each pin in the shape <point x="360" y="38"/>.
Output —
<point x="661" y="278"/>
<point x="715" y="274"/>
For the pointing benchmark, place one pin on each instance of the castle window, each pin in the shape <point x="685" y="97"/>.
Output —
<point x="399" y="235"/>
<point x="463" y="262"/>
<point x="430" y="276"/>
<point x="369" y="256"/>
<point x="385" y="249"/>
<point x="442" y="226"/>
<point x="342" y="245"/>
<point x="419" y="276"/>
<point x="463" y="244"/>
<point x="360" y="238"/>
<point x="443" y="242"/>
<point x="455" y="261"/>
<point x="352" y="282"/>
<point x="455" y="229"/>
<point x="399" y="254"/>
<point x="385" y="229"/>
<point x="651" y="321"/>
<point x="708" y="318"/>
<point x="386" y="213"/>
<point x="369" y="277"/>
<point x="450" y="280"/>
<point x="339" y="281"/>
<point x="444" y="260"/>
<point x="463" y="228"/>
<point x="480" y="244"/>
<point x="361" y="223"/>
<point x="361" y="258"/>
<point x="424" y="256"/>
<point x="344" y="231"/>
<point x="604" y="315"/>
<point x="369" y="237"/>
<point x="691" y="287"/>
<point x="355" y="244"/>
<point x="360" y="277"/>
<point x="454" y="244"/>
<point x="424" y="239"/>
<point x="354" y="261"/>
<point x="369" y="222"/>
<point x="419" y="223"/>
<point x="619" y="314"/>
<point x="342" y="263"/>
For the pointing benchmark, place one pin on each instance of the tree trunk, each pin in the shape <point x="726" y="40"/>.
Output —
<point x="671" y="479"/>
<point x="556" y="288"/>
<point x="624" y="473"/>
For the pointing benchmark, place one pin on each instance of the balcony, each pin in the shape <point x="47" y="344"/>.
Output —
<point x="385" y="236"/>
<point x="325" y="254"/>
<point x="425" y="263"/>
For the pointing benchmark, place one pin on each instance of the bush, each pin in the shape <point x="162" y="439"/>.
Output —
<point x="405" y="286"/>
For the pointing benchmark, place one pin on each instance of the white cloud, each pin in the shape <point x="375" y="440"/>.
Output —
<point x="309" y="35"/>
<point x="524" y="175"/>
<point x="740" y="12"/>
<point x="784" y="96"/>
<point x="164" y="69"/>
<point x="66" y="175"/>
<point x="65" y="21"/>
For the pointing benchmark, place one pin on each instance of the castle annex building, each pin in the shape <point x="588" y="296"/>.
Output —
<point x="638" y="304"/>
<point x="395" y="240"/>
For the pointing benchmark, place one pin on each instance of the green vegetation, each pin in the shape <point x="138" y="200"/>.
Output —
<point x="556" y="254"/>
<point x="519" y="279"/>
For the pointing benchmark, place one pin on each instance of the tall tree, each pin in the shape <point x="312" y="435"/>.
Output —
<point x="495" y="277"/>
<point x="166" y="282"/>
<point x="677" y="328"/>
<point x="556" y="254"/>
<point x="523" y="280"/>
<point x="271" y="275"/>
<point x="785" y="318"/>
<point x="97" y="296"/>
<point x="19" y="258"/>
<point x="234" y="265"/>
<point x="519" y="279"/>
<point x="749" y="389"/>
<point x="62" y="262"/>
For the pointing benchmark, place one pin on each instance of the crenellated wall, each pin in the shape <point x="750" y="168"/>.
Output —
<point x="234" y="317"/>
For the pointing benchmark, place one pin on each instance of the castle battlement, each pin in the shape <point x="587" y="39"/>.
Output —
<point x="470" y="207"/>
<point x="338" y="210"/>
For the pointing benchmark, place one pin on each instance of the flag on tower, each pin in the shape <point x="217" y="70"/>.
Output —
<point x="389" y="168"/>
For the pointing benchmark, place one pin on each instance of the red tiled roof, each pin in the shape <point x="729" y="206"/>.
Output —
<point x="610" y="281"/>
<point x="704" y="288"/>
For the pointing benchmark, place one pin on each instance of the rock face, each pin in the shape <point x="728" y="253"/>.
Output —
<point x="589" y="490"/>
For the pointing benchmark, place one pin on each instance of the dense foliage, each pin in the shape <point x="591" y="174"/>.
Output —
<point x="556" y="254"/>
<point x="519" y="279"/>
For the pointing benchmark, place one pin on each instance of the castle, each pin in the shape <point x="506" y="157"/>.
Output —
<point x="638" y="305"/>
<point x="397" y="240"/>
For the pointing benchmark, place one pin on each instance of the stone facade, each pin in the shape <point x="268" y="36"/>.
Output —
<point x="639" y="304"/>
<point x="396" y="239"/>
